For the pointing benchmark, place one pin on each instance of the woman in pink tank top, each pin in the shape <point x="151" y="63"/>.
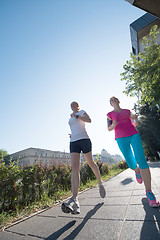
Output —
<point x="130" y="144"/>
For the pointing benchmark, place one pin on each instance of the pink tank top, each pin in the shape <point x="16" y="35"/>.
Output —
<point x="124" y="126"/>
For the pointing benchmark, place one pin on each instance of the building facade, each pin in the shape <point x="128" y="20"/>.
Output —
<point x="31" y="156"/>
<point x="105" y="157"/>
<point x="141" y="28"/>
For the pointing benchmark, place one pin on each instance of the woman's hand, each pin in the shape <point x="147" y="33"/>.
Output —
<point x="113" y="125"/>
<point x="84" y="118"/>
<point x="134" y="119"/>
<point x="73" y="115"/>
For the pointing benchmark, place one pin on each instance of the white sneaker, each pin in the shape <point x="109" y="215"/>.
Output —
<point x="102" y="191"/>
<point x="72" y="206"/>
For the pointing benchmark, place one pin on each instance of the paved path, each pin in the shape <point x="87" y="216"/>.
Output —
<point x="123" y="215"/>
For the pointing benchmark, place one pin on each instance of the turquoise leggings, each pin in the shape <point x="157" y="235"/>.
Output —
<point x="132" y="150"/>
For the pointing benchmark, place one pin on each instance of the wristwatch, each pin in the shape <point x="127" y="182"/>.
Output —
<point x="77" y="116"/>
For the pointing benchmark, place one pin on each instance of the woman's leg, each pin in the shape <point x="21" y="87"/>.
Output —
<point x="93" y="166"/>
<point x="144" y="169"/>
<point x="75" y="179"/>
<point x="141" y="160"/>
<point x="124" y="145"/>
<point x="146" y="176"/>
<point x="138" y="150"/>
<point x="95" y="169"/>
<point x="72" y="206"/>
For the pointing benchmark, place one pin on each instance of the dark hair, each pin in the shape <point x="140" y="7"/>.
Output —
<point x="111" y="98"/>
<point x="76" y="104"/>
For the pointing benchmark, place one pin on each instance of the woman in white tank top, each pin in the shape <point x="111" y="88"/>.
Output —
<point x="80" y="142"/>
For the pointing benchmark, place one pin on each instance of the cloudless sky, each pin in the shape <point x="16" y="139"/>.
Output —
<point x="53" y="52"/>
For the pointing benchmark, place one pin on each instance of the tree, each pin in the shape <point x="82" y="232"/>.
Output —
<point x="142" y="72"/>
<point x="149" y="129"/>
<point x="3" y="153"/>
<point x="142" y="76"/>
<point x="4" y="156"/>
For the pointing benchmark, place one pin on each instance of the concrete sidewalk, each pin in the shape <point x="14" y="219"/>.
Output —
<point x="123" y="215"/>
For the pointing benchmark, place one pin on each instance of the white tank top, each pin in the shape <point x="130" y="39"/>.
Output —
<point x="78" y="130"/>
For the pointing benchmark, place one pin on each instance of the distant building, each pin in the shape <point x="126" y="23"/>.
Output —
<point x="31" y="156"/>
<point x="105" y="157"/>
<point x="141" y="28"/>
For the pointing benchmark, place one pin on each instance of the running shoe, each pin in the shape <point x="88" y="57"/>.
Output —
<point x="72" y="206"/>
<point x="138" y="177"/>
<point x="102" y="191"/>
<point x="151" y="199"/>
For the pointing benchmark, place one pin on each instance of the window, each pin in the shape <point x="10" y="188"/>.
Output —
<point x="134" y="50"/>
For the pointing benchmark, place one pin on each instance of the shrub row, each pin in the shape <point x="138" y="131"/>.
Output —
<point x="25" y="185"/>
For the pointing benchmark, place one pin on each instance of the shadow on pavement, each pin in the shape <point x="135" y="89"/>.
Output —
<point x="58" y="233"/>
<point x="151" y="226"/>
<point x="75" y="232"/>
<point x="127" y="181"/>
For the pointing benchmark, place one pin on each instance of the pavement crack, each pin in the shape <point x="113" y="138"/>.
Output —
<point x="22" y="234"/>
<point x="32" y="235"/>
<point x="119" y="234"/>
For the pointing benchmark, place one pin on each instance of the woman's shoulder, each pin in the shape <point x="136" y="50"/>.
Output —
<point x="109" y="114"/>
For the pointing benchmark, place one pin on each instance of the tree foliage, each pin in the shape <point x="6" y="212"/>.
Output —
<point x="142" y="76"/>
<point x="149" y="129"/>
<point x="3" y="153"/>
<point x="142" y="72"/>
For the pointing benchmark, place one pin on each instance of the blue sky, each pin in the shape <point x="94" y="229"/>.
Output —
<point x="54" y="52"/>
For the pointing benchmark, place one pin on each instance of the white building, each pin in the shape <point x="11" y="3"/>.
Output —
<point x="31" y="156"/>
<point x="105" y="157"/>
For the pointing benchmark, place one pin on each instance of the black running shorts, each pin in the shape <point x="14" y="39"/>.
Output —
<point x="83" y="145"/>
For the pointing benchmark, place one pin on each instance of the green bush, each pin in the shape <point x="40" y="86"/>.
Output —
<point x="122" y="165"/>
<point x="104" y="169"/>
<point x="9" y="190"/>
<point x="22" y="186"/>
